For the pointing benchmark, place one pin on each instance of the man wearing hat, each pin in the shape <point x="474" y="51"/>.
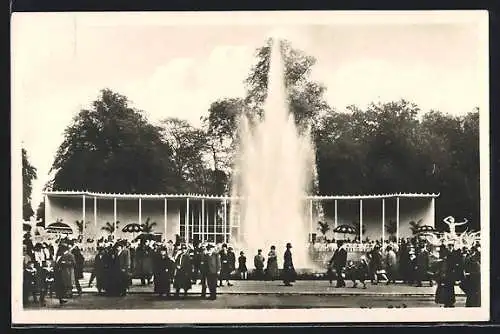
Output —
<point x="163" y="270"/>
<point x="225" y="266"/>
<point x="122" y="268"/>
<point x="288" y="268"/>
<point x="339" y="262"/>
<point x="183" y="271"/>
<point x="210" y="268"/>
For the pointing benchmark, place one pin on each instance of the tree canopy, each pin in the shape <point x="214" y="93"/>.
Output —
<point x="113" y="148"/>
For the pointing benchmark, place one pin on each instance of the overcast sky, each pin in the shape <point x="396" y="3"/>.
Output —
<point x="177" y="65"/>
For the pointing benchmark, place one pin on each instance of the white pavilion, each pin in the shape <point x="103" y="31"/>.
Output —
<point x="210" y="218"/>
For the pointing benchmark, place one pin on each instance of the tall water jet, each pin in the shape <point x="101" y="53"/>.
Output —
<point x="273" y="175"/>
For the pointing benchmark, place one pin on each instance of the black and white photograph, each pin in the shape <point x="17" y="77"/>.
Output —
<point x="250" y="167"/>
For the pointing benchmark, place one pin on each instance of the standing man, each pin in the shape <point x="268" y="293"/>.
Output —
<point x="183" y="272"/>
<point x="225" y="266"/>
<point x="391" y="265"/>
<point x="212" y="270"/>
<point x="258" y="263"/>
<point x="339" y="261"/>
<point x="232" y="261"/>
<point x="122" y="268"/>
<point x="288" y="268"/>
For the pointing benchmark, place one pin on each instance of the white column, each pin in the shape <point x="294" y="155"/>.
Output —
<point x="165" y="213"/>
<point x="83" y="218"/>
<point x="192" y="228"/>
<point x="361" y="221"/>
<point x="383" y="223"/>
<point x="140" y="211"/>
<point x="114" y="215"/>
<point x="224" y="228"/>
<point x="199" y="225"/>
<point x="186" y="222"/>
<point x="397" y="220"/>
<point x="215" y="219"/>
<point x="433" y="212"/>
<point x="47" y="217"/>
<point x="336" y="220"/>
<point x="202" y="220"/>
<point x="310" y="220"/>
<point x="95" y="220"/>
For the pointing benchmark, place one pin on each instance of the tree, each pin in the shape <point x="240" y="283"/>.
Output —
<point x="110" y="227"/>
<point x="29" y="174"/>
<point x="391" y="227"/>
<point x="112" y="148"/>
<point x="323" y="228"/>
<point x="188" y="146"/>
<point x="415" y="225"/>
<point x="147" y="226"/>
<point x="304" y="95"/>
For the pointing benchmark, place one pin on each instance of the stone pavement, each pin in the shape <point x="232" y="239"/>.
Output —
<point x="318" y="287"/>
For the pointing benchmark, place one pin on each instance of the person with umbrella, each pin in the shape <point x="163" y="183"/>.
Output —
<point x="288" y="268"/>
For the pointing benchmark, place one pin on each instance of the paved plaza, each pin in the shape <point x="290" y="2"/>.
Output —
<point x="263" y="294"/>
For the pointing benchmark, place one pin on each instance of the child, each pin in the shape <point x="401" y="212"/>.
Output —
<point x="242" y="266"/>
<point x="47" y="281"/>
<point x="30" y="282"/>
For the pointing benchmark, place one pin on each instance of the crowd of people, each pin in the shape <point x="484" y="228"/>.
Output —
<point x="173" y="268"/>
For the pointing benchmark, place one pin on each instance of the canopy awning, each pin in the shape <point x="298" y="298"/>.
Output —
<point x="100" y="195"/>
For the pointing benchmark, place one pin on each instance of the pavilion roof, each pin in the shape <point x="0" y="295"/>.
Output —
<point x="101" y="195"/>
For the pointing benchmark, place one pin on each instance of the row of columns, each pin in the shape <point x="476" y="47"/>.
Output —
<point x="224" y="202"/>
<point x="433" y="203"/>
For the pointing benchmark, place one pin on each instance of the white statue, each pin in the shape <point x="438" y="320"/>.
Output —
<point x="450" y="221"/>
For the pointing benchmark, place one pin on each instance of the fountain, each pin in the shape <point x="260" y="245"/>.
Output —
<point x="273" y="174"/>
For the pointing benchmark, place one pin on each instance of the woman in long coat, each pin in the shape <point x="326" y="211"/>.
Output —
<point x="183" y="271"/>
<point x="288" y="268"/>
<point x="272" y="264"/>
<point x="64" y="269"/>
<point x="163" y="269"/>
<point x="445" y="279"/>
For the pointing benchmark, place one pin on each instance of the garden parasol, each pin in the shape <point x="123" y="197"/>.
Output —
<point x="60" y="228"/>
<point x="132" y="228"/>
<point x="345" y="229"/>
<point x="425" y="229"/>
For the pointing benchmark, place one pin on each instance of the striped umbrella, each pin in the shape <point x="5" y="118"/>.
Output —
<point x="345" y="229"/>
<point x="425" y="229"/>
<point x="132" y="228"/>
<point x="60" y="228"/>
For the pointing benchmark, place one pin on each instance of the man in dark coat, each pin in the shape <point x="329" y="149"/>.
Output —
<point x="471" y="283"/>
<point x="122" y="268"/>
<point x="258" y="263"/>
<point x="339" y="262"/>
<point x="445" y="278"/>
<point x="79" y="262"/>
<point x="288" y="268"/>
<point x="225" y="266"/>
<point x="99" y="270"/>
<point x="183" y="271"/>
<point x="422" y="265"/>
<point x="64" y="270"/>
<point x="211" y="267"/>
<point x="163" y="272"/>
